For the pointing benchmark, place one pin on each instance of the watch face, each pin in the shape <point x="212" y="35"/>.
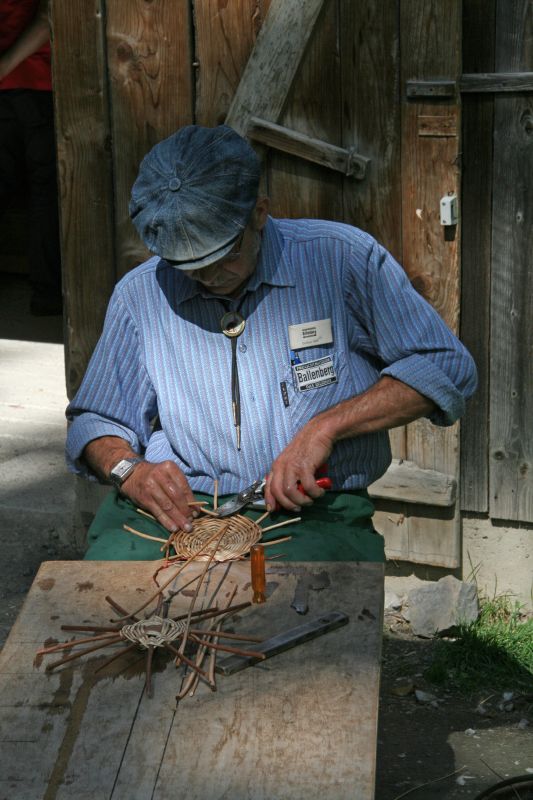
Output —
<point x="122" y="468"/>
<point x="120" y="471"/>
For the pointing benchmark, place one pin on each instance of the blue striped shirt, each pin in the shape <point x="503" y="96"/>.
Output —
<point x="162" y="354"/>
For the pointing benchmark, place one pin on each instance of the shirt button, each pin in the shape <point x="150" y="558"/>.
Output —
<point x="243" y="348"/>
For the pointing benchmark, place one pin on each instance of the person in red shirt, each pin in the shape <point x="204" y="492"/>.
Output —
<point x="27" y="141"/>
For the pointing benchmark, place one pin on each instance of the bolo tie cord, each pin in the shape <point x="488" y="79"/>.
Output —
<point x="233" y="324"/>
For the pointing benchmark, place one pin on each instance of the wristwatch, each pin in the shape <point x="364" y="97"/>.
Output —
<point x="122" y="470"/>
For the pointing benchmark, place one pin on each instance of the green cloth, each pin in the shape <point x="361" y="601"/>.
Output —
<point x="337" y="527"/>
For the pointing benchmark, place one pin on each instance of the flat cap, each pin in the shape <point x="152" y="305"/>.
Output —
<point x="194" y="195"/>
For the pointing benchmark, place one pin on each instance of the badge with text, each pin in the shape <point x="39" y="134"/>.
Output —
<point x="310" y="334"/>
<point x="314" y="374"/>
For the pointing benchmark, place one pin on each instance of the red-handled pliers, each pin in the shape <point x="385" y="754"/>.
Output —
<point x="254" y="495"/>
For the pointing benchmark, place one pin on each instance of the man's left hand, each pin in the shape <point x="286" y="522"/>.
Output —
<point x="297" y="464"/>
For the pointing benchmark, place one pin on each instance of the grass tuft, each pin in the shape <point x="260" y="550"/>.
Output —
<point x="494" y="652"/>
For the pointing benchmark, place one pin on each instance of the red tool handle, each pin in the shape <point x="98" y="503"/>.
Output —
<point x="324" y="483"/>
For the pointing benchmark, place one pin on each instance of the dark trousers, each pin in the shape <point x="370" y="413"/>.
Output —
<point x="27" y="154"/>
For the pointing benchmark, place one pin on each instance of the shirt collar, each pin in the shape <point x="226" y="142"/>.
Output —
<point x="272" y="267"/>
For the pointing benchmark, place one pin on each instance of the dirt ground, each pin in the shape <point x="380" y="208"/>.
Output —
<point x="421" y="742"/>
<point x="417" y="742"/>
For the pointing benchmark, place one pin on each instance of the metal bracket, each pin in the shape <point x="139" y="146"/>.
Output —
<point x="438" y="89"/>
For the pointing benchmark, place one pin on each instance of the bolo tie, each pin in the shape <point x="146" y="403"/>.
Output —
<point x="233" y="324"/>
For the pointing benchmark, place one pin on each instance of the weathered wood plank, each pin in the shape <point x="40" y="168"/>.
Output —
<point x="85" y="177"/>
<point x="299" y="188"/>
<point x="369" y="53"/>
<point x="273" y="63"/>
<point x="406" y="481"/>
<point x="476" y="202"/>
<point x="259" y="705"/>
<point x="431" y="46"/>
<point x="497" y="82"/>
<point x="405" y="525"/>
<point x="225" y="34"/>
<point x="511" y="397"/>
<point x="299" y="144"/>
<point x="104" y="738"/>
<point x="369" y="62"/>
<point x="151" y="95"/>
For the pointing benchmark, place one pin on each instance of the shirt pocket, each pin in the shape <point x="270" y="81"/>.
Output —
<point x="313" y="394"/>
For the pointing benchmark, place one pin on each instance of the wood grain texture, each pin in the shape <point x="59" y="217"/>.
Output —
<point x="85" y="177"/>
<point x="431" y="48"/>
<point x="225" y="34"/>
<point x="476" y="212"/>
<point x="299" y="188"/>
<point x="369" y="53"/>
<point x="497" y="82"/>
<point x="151" y="95"/>
<point x="299" y="144"/>
<point x="305" y="727"/>
<point x="404" y="481"/>
<point x="369" y="61"/>
<point x="511" y="403"/>
<point x="273" y="63"/>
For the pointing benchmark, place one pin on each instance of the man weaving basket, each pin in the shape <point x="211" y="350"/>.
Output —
<point x="251" y="347"/>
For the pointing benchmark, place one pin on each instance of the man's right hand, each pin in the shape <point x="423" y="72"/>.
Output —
<point x="162" y="489"/>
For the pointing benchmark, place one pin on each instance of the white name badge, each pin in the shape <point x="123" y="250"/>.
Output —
<point x="309" y="334"/>
<point x="314" y="374"/>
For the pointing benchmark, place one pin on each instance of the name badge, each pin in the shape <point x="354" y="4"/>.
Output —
<point x="309" y="334"/>
<point x="314" y="374"/>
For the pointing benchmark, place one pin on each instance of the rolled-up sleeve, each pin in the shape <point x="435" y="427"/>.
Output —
<point x="116" y="397"/>
<point x="408" y="337"/>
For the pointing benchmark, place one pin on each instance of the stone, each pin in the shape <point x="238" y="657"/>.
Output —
<point x="392" y="601"/>
<point x="441" y="606"/>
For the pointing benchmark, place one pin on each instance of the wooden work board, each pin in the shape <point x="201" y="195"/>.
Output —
<point x="302" y="724"/>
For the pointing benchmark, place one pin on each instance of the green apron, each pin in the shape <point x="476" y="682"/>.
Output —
<point x="337" y="527"/>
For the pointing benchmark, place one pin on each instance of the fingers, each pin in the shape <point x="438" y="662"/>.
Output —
<point x="292" y="482"/>
<point x="290" y="491"/>
<point x="163" y="490"/>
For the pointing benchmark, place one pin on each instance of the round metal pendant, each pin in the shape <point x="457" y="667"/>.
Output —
<point x="232" y="324"/>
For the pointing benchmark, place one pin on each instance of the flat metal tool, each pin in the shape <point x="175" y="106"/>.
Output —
<point x="306" y="583"/>
<point x="284" y="641"/>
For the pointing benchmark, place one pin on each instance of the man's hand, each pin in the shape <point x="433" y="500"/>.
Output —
<point x="385" y="405"/>
<point x="162" y="489"/>
<point x="298" y="463"/>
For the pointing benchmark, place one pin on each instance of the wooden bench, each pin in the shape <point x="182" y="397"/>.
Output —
<point x="302" y="724"/>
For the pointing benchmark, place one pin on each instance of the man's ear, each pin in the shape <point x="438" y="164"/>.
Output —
<point x="260" y="213"/>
